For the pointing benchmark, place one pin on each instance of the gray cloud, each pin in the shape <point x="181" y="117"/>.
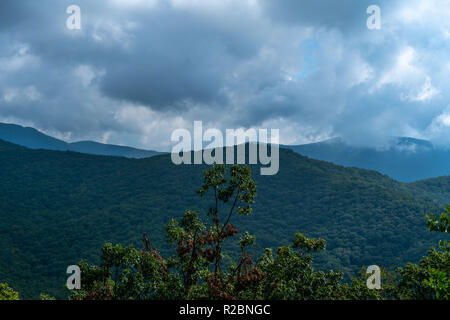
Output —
<point x="139" y="69"/>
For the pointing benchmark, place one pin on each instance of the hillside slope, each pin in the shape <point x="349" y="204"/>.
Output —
<point x="405" y="159"/>
<point x="34" y="139"/>
<point x="57" y="207"/>
<point x="437" y="189"/>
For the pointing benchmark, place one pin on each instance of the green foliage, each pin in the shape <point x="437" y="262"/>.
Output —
<point x="439" y="279"/>
<point x="58" y="207"/>
<point x="424" y="281"/>
<point x="302" y="242"/>
<point x="197" y="270"/>
<point x="289" y="275"/>
<point x="440" y="283"/>
<point x="429" y="279"/>
<point x="6" y="293"/>
<point x="442" y="224"/>
<point x="357" y="289"/>
<point x="126" y="273"/>
<point x="44" y="296"/>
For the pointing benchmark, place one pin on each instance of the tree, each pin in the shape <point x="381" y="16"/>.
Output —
<point x="6" y="293"/>
<point x="429" y="279"/>
<point x="198" y="270"/>
<point x="439" y="279"/>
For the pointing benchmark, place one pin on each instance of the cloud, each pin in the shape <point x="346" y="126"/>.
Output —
<point x="138" y="69"/>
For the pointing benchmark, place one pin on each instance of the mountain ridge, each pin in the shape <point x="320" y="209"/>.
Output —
<point x="32" y="138"/>
<point x="404" y="159"/>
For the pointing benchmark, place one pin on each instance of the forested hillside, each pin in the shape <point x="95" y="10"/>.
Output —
<point x="404" y="159"/>
<point x="57" y="207"/>
<point x="437" y="189"/>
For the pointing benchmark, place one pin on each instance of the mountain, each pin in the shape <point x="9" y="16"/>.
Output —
<point x="91" y="147"/>
<point x="32" y="138"/>
<point x="437" y="189"/>
<point x="58" y="207"/>
<point x="405" y="159"/>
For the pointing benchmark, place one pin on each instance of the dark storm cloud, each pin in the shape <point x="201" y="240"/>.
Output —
<point x="160" y="58"/>
<point x="179" y="56"/>
<point x="140" y="68"/>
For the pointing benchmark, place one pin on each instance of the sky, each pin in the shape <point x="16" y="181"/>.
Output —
<point x="139" y="69"/>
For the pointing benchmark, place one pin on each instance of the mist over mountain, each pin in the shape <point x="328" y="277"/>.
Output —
<point x="404" y="159"/>
<point x="34" y="139"/>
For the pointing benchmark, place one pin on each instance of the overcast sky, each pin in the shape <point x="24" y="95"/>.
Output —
<point x="138" y="69"/>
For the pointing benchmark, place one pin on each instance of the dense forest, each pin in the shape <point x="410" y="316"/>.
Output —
<point x="59" y="207"/>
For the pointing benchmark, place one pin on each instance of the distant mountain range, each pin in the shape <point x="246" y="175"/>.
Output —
<point x="34" y="139"/>
<point x="58" y="207"/>
<point x="405" y="159"/>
